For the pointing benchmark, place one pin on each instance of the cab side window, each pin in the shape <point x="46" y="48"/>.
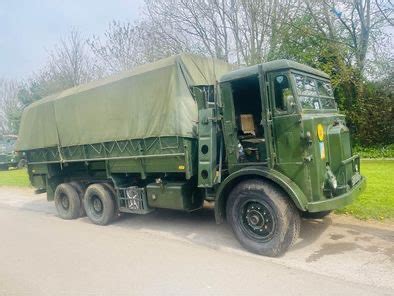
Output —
<point x="282" y="92"/>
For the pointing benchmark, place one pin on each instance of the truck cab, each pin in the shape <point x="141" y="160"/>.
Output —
<point x="281" y="125"/>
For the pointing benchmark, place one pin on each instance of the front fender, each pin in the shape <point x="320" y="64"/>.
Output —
<point x="291" y="188"/>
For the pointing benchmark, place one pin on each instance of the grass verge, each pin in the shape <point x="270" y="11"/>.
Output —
<point x="377" y="201"/>
<point x="15" y="178"/>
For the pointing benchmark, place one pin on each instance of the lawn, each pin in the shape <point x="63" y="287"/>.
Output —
<point x="377" y="201"/>
<point x="17" y="178"/>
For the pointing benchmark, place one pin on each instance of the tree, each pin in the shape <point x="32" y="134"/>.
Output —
<point x="69" y="64"/>
<point x="10" y="107"/>
<point x="119" y="49"/>
<point x="241" y="31"/>
<point x="196" y="25"/>
<point x="358" y="24"/>
<point x="126" y="45"/>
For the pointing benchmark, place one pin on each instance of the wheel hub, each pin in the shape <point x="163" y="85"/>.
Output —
<point x="97" y="205"/>
<point x="257" y="220"/>
<point x="65" y="202"/>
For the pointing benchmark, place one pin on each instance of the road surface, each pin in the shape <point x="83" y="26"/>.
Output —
<point x="174" y="253"/>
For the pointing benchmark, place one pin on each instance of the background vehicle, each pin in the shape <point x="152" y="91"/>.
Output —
<point x="264" y="143"/>
<point x="8" y="157"/>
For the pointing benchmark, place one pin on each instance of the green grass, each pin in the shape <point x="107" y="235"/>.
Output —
<point x="376" y="202"/>
<point x="16" y="178"/>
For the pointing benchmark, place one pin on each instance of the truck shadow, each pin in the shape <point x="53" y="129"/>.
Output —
<point x="321" y="237"/>
<point x="311" y="231"/>
<point x="197" y="227"/>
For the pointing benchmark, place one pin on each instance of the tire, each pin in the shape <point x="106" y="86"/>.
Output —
<point x="295" y="227"/>
<point x="316" y="215"/>
<point x="111" y="188"/>
<point x="67" y="202"/>
<point x="80" y="188"/>
<point x="263" y="218"/>
<point x="99" y="204"/>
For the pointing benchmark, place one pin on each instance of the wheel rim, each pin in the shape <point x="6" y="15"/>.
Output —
<point x="97" y="205"/>
<point x="257" y="220"/>
<point x="64" y="201"/>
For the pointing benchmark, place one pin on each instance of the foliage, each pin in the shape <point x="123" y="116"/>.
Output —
<point x="10" y="107"/>
<point x="373" y="116"/>
<point x="374" y="151"/>
<point x="377" y="201"/>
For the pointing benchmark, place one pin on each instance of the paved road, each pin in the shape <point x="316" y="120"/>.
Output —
<point x="173" y="253"/>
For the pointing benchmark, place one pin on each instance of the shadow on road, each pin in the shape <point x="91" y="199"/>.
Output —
<point x="322" y="237"/>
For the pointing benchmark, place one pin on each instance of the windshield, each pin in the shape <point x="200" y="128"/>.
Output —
<point x="314" y="94"/>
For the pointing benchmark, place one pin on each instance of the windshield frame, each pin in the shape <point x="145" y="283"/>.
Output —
<point x="297" y="96"/>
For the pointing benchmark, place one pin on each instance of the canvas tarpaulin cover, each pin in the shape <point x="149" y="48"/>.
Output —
<point x="152" y="100"/>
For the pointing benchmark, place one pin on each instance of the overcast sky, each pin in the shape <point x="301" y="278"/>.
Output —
<point x="29" y="28"/>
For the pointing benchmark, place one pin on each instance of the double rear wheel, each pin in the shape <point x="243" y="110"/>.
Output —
<point x="73" y="200"/>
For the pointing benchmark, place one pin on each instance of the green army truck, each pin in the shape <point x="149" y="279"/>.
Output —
<point x="8" y="156"/>
<point x="265" y="143"/>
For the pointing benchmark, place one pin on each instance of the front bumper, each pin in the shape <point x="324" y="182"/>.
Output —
<point x="339" y="201"/>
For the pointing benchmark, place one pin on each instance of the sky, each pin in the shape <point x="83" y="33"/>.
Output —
<point x="30" y="28"/>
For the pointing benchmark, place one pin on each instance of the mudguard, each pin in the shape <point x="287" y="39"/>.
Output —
<point x="291" y="188"/>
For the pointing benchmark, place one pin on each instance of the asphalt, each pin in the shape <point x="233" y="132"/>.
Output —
<point x="175" y="253"/>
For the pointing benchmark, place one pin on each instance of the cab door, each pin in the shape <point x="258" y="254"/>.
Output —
<point x="286" y="126"/>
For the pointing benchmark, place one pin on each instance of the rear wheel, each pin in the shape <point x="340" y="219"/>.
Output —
<point x="99" y="204"/>
<point x="80" y="188"/>
<point x="262" y="217"/>
<point x="67" y="202"/>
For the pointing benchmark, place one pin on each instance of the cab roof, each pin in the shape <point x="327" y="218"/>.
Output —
<point x="271" y="66"/>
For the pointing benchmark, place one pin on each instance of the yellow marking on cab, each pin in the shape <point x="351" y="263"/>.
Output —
<point x="320" y="132"/>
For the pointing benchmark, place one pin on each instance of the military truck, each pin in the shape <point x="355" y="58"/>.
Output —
<point x="8" y="157"/>
<point x="265" y="143"/>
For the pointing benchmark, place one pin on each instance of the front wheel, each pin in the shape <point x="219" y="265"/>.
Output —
<point x="262" y="217"/>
